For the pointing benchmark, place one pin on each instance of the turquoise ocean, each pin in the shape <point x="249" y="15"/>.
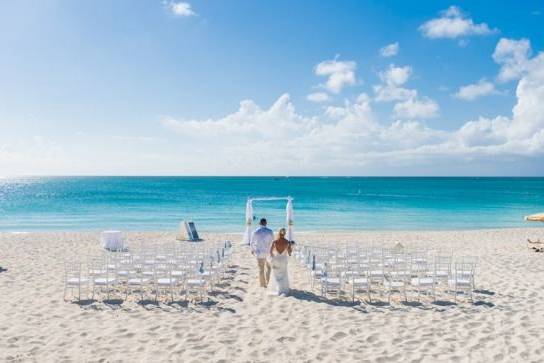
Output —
<point x="218" y="203"/>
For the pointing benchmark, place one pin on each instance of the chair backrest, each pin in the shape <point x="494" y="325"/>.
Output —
<point x="195" y="269"/>
<point x="332" y="270"/>
<point x="443" y="264"/>
<point x="98" y="267"/>
<point x="467" y="259"/>
<point x="124" y="263"/>
<point x="72" y="269"/>
<point x="419" y="262"/>
<point x="162" y="270"/>
<point x="464" y="270"/>
<point x="398" y="267"/>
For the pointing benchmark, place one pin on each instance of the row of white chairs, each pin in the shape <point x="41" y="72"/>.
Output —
<point x="368" y="269"/>
<point x="181" y="267"/>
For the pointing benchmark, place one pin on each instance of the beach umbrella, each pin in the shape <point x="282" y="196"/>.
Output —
<point x="249" y="219"/>
<point x="539" y="217"/>
<point x="289" y="219"/>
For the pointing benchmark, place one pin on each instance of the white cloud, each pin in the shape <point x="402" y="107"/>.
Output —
<point x="339" y="74"/>
<point x="473" y="91"/>
<point x="279" y="121"/>
<point x="349" y="139"/>
<point x="181" y="9"/>
<point x="409" y="105"/>
<point x="513" y="56"/>
<point x="396" y="76"/>
<point x="452" y="24"/>
<point x="137" y="139"/>
<point x="390" y="50"/>
<point x="392" y="80"/>
<point x="389" y="93"/>
<point x="416" y="109"/>
<point x="318" y="97"/>
<point x="344" y="139"/>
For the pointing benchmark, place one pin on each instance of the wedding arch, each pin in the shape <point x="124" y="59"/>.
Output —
<point x="288" y="216"/>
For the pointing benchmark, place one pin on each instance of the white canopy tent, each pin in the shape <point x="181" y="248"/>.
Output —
<point x="288" y="216"/>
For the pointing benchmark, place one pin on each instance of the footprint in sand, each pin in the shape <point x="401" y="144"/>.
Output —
<point x="339" y="335"/>
<point x="285" y="339"/>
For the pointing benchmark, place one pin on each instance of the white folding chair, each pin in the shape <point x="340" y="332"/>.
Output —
<point x="163" y="279"/>
<point x="462" y="279"/>
<point x="442" y="270"/>
<point x="423" y="278"/>
<point x="74" y="279"/>
<point x="102" y="278"/>
<point x="375" y="268"/>
<point x="397" y="276"/>
<point x="358" y="279"/>
<point x="331" y="280"/>
<point x="136" y="281"/>
<point x="195" y="282"/>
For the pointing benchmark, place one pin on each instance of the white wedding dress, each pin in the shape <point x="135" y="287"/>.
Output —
<point x="280" y="273"/>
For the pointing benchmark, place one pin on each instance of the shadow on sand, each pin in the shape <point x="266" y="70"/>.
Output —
<point x="84" y="302"/>
<point x="484" y="292"/>
<point x="444" y="303"/>
<point x="310" y="296"/>
<point x="3" y="269"/>
<point x="487" y="304"/>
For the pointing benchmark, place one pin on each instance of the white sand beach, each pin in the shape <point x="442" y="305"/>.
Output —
<point x="241" y="323"/>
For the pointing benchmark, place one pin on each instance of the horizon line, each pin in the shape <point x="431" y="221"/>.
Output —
<point x="258" y="176"/>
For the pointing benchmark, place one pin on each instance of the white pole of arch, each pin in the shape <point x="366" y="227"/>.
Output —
<point x="289" y="219"/>
<point x="249" y="220"/>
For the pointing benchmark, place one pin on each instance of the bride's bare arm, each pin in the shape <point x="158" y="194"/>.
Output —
<point x="289" y="249"/>
<point x="272" y="248"/>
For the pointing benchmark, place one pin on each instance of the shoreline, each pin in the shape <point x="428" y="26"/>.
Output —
<point x="533" y="226"/>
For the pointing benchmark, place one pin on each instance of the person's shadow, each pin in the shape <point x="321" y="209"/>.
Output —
<point x="310" y="296"/>
<point x="3" y="269"/>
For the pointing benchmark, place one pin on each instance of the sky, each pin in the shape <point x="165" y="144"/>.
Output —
<point x="242" y="87"/>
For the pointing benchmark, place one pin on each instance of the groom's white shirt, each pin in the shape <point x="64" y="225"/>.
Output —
<point x="261" y="241"/>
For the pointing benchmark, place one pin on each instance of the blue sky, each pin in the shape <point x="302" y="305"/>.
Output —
<point x="226" y="87"/>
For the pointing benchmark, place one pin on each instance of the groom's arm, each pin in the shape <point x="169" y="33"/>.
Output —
<point x="253" y="243"/>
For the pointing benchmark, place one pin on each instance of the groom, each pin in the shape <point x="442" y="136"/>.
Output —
<point x="261" y="241"/>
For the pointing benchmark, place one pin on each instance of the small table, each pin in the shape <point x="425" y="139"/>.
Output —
<point x="112" y="240"/>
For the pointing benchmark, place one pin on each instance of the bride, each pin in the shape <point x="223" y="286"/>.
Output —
<point x="279" y="253"/>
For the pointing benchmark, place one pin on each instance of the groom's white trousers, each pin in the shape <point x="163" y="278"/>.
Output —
<point x="264" y="276"/>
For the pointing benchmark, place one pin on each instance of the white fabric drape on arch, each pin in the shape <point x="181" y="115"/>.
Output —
<point x="288" y="217"/>
<point x="289" y="220"/>
<point x="249" y="220"/>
